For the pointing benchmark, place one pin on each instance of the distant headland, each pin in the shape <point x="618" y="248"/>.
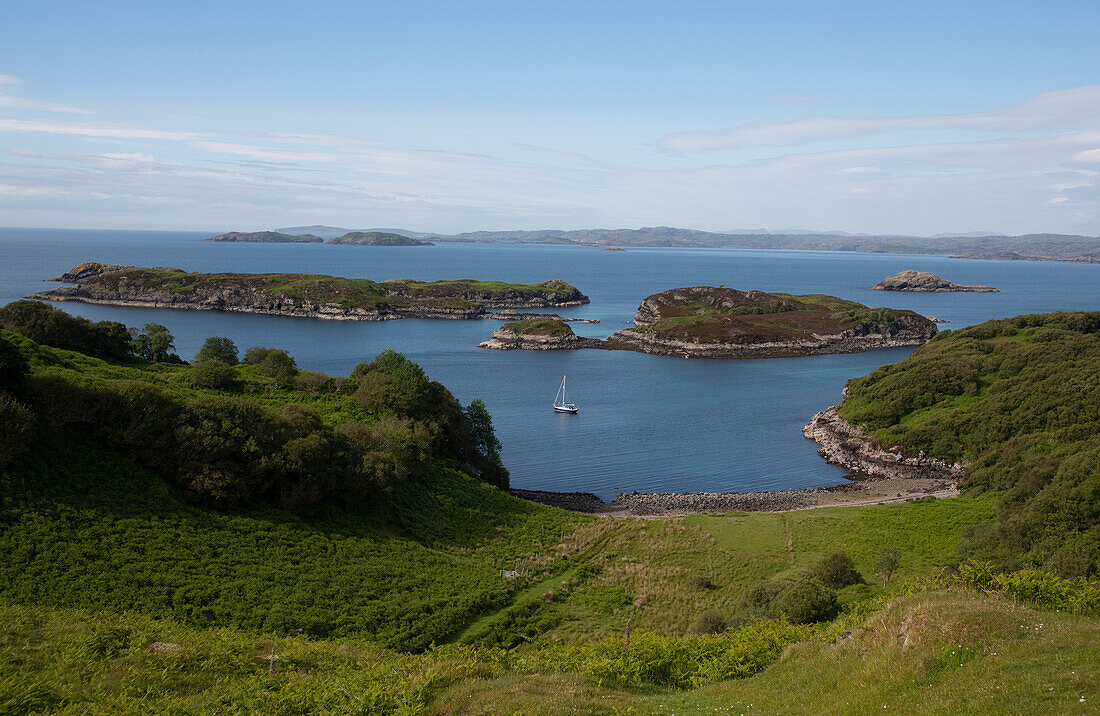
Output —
<point x="351" y="238"/>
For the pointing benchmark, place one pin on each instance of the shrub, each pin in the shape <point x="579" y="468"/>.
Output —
<point x="796" y="595"/>
<point x="804" y="601"/>
<point x="218" y="348"/>
<point x="315" y="383"/>
<point x="697" y="581"/>
<point x="710" y="622"/>
<point x="837" y="571"/>
<point x="213" y="374"/>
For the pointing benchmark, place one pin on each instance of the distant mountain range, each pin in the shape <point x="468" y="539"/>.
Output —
<point x="1030" y="247"/>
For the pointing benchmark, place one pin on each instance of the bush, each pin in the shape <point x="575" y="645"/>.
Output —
<point x="213" y="374"/>
<point x="804" y="602"/>
<point x="710" y="622"/>
<point x="837" y="571"/>
<point x="280" y="367"/>
<point x="218" y="348"/>
<point x="698" y="581"/>
<point x="796" y="595"/>
<point x="256" y="354"/>
<point x="1080" y="596"/>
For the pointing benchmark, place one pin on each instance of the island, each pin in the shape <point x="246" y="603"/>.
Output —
<point x="376" y="238"/>
<point x="538" y="334"/>
<point x="709" y="322"/>
<point x="265" y="237"/>
<point x="303" y="295"/>
<point x="929" y="282"/>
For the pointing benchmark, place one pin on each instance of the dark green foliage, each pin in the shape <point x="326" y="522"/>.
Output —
<point x="85" y="528"/>
<point x="16" y="427"/>
<point x="213" y="374"/>
<point x="837" y="571"/>
<point x="256" y="354"/>
<point x="13" y="367"/>
<point x="518" y="624"/>
<point x="49" y="326"/>
<point x="482" y="436"/>
<point x="796" y="595"/>
<point x="280" y="367"/>
<point x="218" y="348"/>
<point x="710" y="622"/>
<point x="154" y="343"/>
<point x="1019" y="400"/>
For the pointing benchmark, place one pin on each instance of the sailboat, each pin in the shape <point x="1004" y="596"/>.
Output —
<point x="559" y="400"/>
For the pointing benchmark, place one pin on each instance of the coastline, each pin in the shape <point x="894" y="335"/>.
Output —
<point x="877" y="477"/>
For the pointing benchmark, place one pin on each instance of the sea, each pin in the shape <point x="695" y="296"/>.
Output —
<point x="646" y="423"/>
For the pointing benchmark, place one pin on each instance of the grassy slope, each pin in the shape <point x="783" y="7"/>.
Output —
<point x="538" y="327"/>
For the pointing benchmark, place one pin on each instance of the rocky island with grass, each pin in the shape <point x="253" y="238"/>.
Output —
<point x="303" y="295"/>
<point x="927" y="282"/>
<point x="538" y="334"/>
<point x="265" y="237"/>
<point x="376" y="238"/>
<point x="709" y="322"/>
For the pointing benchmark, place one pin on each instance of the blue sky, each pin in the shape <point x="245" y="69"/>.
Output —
<point x="866" y="117"/>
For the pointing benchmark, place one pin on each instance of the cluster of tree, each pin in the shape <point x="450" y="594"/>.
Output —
<point x="1018" y="400"/>
<point x="223" y="448"/>
<point x="44" y="324"/>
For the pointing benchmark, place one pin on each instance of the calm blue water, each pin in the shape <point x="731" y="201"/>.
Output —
<point x="647" y="423"/>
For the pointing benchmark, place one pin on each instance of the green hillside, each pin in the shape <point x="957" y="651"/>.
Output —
<point x="240" y="536"/>
<point x="1019" y="401"/>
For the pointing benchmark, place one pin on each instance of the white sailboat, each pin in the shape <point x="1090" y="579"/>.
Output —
<point x="560" y="404"/>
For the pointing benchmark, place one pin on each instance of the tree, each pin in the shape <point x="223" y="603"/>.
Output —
<point x="210" y="373"/>
<point x="280" y="366"/>
<point x="256" y="354"/>
<point x="154" y="343"/>
<point x="50" y="326"/>
<point x="481" y="431"/>
<point x="887" y="563"/>
<point x="218" y="348"/>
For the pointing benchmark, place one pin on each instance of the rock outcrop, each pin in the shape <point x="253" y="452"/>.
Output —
<point x="302" y="295"/>
<point x="928" y="282"/>
<point x="537" y="335"/>
<point x="845" y="445"/>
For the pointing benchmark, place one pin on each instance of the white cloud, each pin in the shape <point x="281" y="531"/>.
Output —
<point x="1077" y="108"/>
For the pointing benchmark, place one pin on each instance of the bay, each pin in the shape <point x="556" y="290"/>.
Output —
<point x="647" y="423"/>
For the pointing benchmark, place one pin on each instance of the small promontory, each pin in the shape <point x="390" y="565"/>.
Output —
<point x="376" y="238"/>
<point x="304" y="295"/>
<point x="928" y="282"/>
<point x="537" y="334"/>
<point x="265" y="237"/>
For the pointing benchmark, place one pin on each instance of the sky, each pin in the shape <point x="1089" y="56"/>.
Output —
<point x="874" y="117"/>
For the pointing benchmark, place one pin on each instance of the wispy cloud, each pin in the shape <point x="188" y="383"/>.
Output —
<point x="13" y="102"/>
<point x="1077" y="108"/>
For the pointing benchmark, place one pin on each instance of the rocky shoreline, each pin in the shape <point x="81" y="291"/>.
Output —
<point x="845" y="445"/>
<point x="847" y="342"/>
<point x="112" y="285"/>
